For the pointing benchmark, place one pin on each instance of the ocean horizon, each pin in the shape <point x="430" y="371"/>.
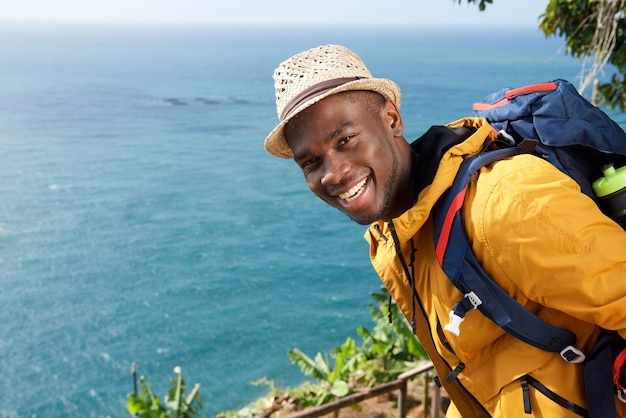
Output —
<point x="141" y="220"/>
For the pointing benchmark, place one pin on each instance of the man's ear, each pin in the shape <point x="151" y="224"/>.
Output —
<point x="393" y="118"/>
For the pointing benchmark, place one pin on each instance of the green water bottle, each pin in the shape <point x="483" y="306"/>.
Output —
<point x="611" y="190"/>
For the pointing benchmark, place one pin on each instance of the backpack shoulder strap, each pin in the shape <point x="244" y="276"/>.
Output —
<point x="460" y="265"/>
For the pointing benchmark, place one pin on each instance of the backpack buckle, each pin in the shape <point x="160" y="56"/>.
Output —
<point x="506" y="137"/>
<point x="572" y="355"/>
<point x="457" y="314"/>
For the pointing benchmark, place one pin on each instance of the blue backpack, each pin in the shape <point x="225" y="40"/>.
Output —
<point x="553" y="121"/>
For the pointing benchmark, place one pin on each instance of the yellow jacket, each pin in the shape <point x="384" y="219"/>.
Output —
<point x="540" y="239"/>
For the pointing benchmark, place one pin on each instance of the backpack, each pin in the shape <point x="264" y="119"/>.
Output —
<point x="553" y="121"/>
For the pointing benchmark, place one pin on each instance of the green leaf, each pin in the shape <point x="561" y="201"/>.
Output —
<point x="340" y="388"/>
<point x="148" y="405"/>
<point x="317" y="369"/>
<point x="192" y="395"/>
<point x="134" y="404"/>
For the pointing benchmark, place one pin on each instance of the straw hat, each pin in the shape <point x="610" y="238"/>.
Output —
<point x="310" y="76"/>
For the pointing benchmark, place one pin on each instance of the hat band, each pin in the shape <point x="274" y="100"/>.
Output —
<point x="314" y="91"/>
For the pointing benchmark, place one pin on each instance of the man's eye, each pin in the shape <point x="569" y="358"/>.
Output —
<point x="345" y="140"/>
<point x="308" y="162"/>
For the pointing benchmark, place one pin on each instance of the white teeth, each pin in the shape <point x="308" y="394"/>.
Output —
<point x="352" y="194"/>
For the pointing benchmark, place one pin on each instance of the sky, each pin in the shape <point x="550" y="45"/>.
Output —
<point x="348" y="12"/>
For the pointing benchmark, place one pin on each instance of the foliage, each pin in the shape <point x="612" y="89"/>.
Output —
<point x="586" y="26"/>
<point x="482" y="4"/>
<point x="391" y="346"/>
<point x="580" y="22"/>
<point x="334" y="379"/>
<point x="387" y="351"/>
<point x="146" y="404"/>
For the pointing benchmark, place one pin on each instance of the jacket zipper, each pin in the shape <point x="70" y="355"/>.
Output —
<point x="443" y="360"/>
<point x="416" y="300"/>
<point x="528" y="380"/>
<point x="454" y="374"/>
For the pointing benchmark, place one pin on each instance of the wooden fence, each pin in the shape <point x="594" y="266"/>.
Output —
<point x="399" y="384"/>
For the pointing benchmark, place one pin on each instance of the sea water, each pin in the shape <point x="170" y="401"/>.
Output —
<point x="142" y="221"/>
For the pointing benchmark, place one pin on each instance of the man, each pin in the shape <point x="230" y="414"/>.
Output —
<point x="532" y="230"/>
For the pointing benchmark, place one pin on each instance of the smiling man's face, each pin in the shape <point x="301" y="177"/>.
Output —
<point x="353" y="156"/>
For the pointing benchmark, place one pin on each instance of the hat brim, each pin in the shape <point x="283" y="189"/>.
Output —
<point x="276" y="144"/>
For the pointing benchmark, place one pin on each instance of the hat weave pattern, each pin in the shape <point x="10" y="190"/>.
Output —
<point x="316" y="67"/>
<point x="312" y="67"/>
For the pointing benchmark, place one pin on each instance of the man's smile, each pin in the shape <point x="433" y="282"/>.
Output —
<point x="354" y="193"/>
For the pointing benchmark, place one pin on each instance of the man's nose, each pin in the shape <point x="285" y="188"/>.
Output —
<point x="335" y="169"/>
